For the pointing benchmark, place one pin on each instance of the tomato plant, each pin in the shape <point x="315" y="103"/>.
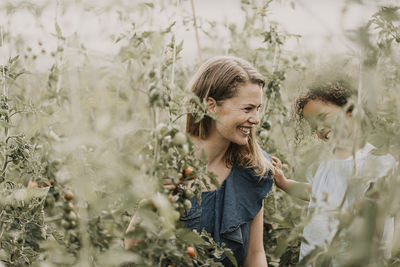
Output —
<point x="91" y="130"/>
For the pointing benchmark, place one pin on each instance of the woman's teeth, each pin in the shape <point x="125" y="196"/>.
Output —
<point x="244" y="130"/>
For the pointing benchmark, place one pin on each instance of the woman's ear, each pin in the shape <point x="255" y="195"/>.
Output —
<point x="211" y="105"/>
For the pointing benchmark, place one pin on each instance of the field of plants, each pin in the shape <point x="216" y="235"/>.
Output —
<point x="88" y="135"/>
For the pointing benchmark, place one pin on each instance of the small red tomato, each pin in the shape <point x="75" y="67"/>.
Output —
<point x="69" y="196"/>
<point x="51" y="180"/>
<point x="191" y="252"/>
<point x="188" y="171"/>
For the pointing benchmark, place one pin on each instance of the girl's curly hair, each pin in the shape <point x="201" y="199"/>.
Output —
<point x="337" y="92"/>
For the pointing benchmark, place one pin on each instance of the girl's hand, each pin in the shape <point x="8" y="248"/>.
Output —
<point x="279" y="177"/>
<point x="276" y="162"/>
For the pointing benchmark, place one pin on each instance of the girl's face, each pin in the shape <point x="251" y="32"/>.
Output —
<point x="322" y="116"/>
<point x="237" y="116"/>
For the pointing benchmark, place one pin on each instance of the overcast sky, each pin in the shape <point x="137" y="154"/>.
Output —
<point x="320" y="22"/>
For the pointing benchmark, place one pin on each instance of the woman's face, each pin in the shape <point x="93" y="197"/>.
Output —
<point x="239" y="114"/>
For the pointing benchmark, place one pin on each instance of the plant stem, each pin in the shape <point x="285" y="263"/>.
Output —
<point x="274" y="63"/>
<point x="196" y="30"/>
<point x="4" y="73"/>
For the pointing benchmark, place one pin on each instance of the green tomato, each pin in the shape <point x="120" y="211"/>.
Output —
<point x="179" y="139"/>
<point x="187" y="204"/>
<point x="188" y="193"/>
<point x="176" y="215"/>
<point x="162" y="129"/>
<point x="72" y="216"/>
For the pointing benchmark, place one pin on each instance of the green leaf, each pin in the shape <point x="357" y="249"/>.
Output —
<point x="230" y="256"/>
<point x="189" y="237"/>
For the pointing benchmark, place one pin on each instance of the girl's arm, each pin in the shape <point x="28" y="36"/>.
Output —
<point x="255" y="256"/>
<point x="294" y="188"/>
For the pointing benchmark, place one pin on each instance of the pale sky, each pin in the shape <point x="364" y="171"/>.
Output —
<point x="320" y="22"/>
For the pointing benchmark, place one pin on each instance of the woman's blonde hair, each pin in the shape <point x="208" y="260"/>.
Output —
<point x="220" y="78"/>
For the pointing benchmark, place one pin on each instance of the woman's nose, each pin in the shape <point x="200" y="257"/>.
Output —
<point x="254" y="118"/>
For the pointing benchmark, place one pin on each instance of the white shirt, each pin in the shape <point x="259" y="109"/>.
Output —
<point x="329" y="186"/>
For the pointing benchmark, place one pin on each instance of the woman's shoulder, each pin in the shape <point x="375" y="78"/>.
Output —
<point x="247" y="177"/>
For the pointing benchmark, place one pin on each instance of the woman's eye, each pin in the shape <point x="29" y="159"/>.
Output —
<point x="248" y="109"/>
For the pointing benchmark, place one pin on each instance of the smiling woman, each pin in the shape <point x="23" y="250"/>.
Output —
<point x="233" y="213"/>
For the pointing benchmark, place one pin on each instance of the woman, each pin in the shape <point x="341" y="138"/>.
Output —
<point x="233" y="213"/>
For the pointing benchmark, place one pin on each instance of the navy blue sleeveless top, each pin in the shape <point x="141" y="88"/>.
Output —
<point x="226" y="213"/>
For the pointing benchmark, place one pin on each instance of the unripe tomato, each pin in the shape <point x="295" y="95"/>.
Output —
<point x="176" y="215"/>
<point x="179" y="139"/>
<point x="33" y="184"/>
<point x="162" y="129"/>
<point x="190" y="251"/>
<point x="68" y="206"/>
<point x="72" y="216"/>
<point x="187" y="204"/>
<point x="188" y="193"/>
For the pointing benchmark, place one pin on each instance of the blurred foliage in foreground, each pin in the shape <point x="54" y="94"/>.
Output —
<point x="88" y="143"/>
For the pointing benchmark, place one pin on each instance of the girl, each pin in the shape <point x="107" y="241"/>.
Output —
<point x="322" y="107"/>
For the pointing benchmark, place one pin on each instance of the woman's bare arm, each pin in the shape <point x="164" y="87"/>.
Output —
<point x="255" y="256"/>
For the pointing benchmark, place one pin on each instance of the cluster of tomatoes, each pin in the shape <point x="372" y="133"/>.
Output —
<point x="70" y="218"/>
<point x="179" y="197"/>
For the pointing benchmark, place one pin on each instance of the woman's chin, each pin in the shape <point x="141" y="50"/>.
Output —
<point x="241" y="141"/>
